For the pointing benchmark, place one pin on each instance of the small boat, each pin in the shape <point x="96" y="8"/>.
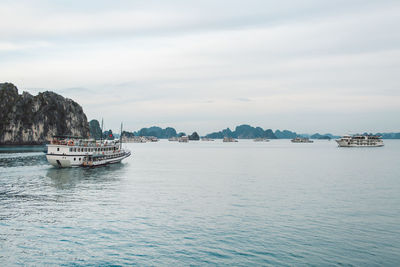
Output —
<point x="173" y="139"/>
<point x="206" y="139"/>
<point x="301" y="140"/>
<point x="229" y="140"/>
<point x="152" y="139"/>
<point x="183" y="139"/>
<point x="360" y="141"/>
<point x="261" y="140"/>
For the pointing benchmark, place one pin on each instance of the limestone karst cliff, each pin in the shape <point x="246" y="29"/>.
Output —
<point x="27" y="120"/>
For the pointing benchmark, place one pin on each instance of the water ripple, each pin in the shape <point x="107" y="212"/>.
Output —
<point x="205" y="204"/>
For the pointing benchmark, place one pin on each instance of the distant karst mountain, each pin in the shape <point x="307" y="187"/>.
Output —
<point x="31" y="120"/>
<point x="244" y="132"/>
<point x="248" y="132"/>
<point x="389" y="135"/>
<point x="95" y="130"/>
<point x="285" y="134"/>
<point x="154" y="131"/>
<point x="194" y="137"/>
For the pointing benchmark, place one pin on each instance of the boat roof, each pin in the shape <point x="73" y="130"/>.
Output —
<point x="68" y="136"/>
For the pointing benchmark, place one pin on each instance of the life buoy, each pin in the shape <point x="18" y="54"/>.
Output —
<point x="70" y="142"/>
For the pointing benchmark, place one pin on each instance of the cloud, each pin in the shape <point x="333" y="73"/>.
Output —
<point x="218" y="61"/>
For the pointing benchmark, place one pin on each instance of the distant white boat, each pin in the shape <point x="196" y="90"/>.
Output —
<point x="360" y="141"/>
<point x="140" y="139"/>
<point x="206" y="139"/>
<point x="152" y="139"/>
<point x="229" y="140"/>
<point x="173" y="139"/>
<point x="261" y="140"/>
<point x="183" y="139"/>
<point x="301" y="140"/>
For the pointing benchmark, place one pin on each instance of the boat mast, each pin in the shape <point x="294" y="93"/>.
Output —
<point x="120" y="138"/>
<point x="101" y="138"/>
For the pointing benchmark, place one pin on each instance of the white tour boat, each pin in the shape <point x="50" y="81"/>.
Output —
<point x="301" y="140"/>
<point x="360" y="141"/>
<point x="229" y="140"/>
<point x="260" y="139"/>
<point x="183" y="139"/>
<point x="69" y="151"/>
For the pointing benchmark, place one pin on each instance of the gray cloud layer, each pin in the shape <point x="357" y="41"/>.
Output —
<point x="304" y="65"/>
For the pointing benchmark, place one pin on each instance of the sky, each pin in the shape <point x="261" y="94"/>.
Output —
<point x="303" y="65"/>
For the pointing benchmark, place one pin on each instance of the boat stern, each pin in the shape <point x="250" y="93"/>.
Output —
<point x="58" y="161"/>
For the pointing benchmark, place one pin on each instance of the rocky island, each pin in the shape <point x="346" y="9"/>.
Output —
<point x="32" y="120"/>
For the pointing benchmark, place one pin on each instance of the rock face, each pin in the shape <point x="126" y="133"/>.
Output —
<point x="244" y="132"/>
<point x="31" y="120"/>
<point x="285" y="134"/>
<point x="157" y="132"/>
<point x="194" y="137"/>
<point x="95" y="130"/>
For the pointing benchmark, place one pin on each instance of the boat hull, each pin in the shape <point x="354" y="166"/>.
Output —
<point x="106" y="161"/>
<point x="68" y="161"/>
<point x="64" y="161"/>
<point x="344" y="143"/>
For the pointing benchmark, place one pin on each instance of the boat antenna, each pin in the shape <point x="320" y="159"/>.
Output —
<point x="101" y="138"/>
<point x="120" y="138"/>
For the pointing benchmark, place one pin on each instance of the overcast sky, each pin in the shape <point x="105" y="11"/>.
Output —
<point x="308" y="66"/>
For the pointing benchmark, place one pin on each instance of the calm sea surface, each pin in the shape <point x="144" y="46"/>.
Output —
<point x="205" y="203"/>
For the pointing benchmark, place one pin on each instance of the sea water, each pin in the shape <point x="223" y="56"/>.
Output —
<point x="205" y="203"/>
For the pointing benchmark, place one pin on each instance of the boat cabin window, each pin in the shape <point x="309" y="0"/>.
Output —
<point x="58" y="149"/>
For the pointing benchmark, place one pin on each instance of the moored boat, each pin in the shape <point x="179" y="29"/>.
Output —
<point x="183" y="139"/>
<point x="301" y="140"/>
<point x="229" y="140"/>
<point x="360" y="141"/>
<point x="261" y="140"/>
